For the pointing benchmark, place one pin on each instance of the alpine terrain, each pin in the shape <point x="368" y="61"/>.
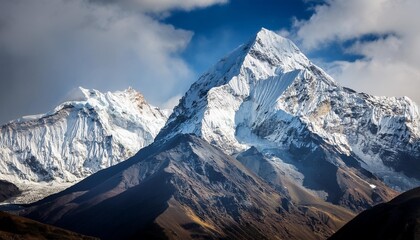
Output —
<point x="184" y="189"/>
<point x="292" y="124"/>
<point x="90" y="131"/>
<point x="265" y="145"/>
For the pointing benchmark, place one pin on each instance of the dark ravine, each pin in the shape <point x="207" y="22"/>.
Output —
<point x="397" y="219"/>
<point x="184" y="189"/>
<point x="15" y="227"/>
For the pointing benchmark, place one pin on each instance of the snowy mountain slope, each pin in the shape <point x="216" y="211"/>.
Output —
<point x="184" y="189"/>
<point x="208" y="109"/>
<point x="268" y="95"/>
<point x="89" y="132"/>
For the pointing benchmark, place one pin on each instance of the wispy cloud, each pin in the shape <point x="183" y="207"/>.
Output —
<point x="390" y="61"/>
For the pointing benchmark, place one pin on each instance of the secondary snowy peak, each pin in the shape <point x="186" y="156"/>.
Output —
<point x="77" y="94"/>
<point x="267" y="94"/>
<point x="88" y="132"/>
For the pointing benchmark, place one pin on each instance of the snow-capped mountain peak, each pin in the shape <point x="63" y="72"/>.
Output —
<point x="267" y="94"/>
<point x="266" y="54"/>
<point x="88" y="132"/>
<point x="275" y="51"/>
<point x="260" y="70"/>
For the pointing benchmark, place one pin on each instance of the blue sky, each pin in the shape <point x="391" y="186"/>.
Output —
<point x="160" y="47"/>
<point x="220" y="28"/>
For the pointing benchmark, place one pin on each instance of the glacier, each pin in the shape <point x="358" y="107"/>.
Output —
<point x="88" y="132"/>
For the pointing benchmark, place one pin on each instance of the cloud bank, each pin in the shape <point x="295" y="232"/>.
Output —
<point x="48" y="47"/>
<point x="159" y="6"/>
<point x="384" y="32"/>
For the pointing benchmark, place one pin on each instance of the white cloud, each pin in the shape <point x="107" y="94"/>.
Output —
<point x="158" y="6"/>
<point x="283" y="32"/>
<point x="390" y="63"/>
<point x="50" y="46"/>
<point x="172" y="102"/>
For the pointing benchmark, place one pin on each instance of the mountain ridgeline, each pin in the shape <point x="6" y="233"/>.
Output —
<point x="265" y="145"/>
<point x="88" y="132"/>
<point x="349" y="148"/>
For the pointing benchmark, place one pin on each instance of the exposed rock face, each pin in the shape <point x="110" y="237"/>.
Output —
<point x="184" y="189"/>
<point x="8" y="190"/>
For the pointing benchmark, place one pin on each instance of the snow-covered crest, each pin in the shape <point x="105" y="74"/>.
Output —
<point x="265" y="56"/>
<point x="267" y="94"/>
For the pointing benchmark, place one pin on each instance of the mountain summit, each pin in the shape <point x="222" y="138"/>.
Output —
<point x="238" y="76"/>
<point x="266" y="94"/>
